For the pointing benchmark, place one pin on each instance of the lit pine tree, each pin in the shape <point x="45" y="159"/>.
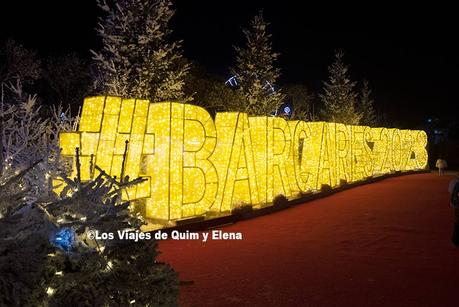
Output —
<point x="137" y="59"/>
<point x="339" y="97"/>
<point x="367" y="106"/>
<point x="256" y="72"/>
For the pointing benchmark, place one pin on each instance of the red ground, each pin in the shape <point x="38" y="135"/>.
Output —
<point x="382" y="244"/>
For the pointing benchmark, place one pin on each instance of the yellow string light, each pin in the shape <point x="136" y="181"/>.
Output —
<point x="194" y="164"/>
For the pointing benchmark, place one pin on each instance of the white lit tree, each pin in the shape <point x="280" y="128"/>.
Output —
<point x="29" y="151"/>
<point x="29" y="146"/>
<point x="46" y="255"/>
<point x="255" y="71"/>
<point x="366" y="105"/>
<point x="137" y="58"/>
<point x="339" y="97"/>
<point x="48" y="258"/>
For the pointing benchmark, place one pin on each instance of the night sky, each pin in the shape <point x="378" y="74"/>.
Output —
<point x="409" y="54"/>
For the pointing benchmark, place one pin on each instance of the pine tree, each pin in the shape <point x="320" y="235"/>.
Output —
<point x="68" y="78"/>
<point x="302" y="100"/>
<point x="339" y="97"/>
<point x="256" y="72"/>
<point x="49" y="255"/>
<point x="137" y="59"/>
<point x="367" y="106"/>
<point x="209" y="90"/>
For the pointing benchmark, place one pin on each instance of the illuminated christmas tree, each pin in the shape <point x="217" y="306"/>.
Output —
<point x="137" y="58"/>
<point x="339" y="97"/>
<point x="255" y="71"/>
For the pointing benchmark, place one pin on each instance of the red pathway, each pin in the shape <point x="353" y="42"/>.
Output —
<point x="382" y="244"/>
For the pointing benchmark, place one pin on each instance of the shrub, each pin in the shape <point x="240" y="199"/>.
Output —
<point x="280" y="200"/>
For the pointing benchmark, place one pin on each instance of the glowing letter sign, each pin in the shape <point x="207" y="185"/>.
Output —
<point x="195" y="164"/>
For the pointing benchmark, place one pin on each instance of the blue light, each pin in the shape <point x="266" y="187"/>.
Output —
<point x="64" y="239"/>
<point x="287" y="110"/>
<point x="429" y="120"/>
<point x="232" y="81"/>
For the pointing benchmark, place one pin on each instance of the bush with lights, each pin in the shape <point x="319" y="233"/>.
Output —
<point x="46" y="255"/>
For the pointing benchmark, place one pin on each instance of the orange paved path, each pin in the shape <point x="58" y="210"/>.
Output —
<point x="382" y="244"/>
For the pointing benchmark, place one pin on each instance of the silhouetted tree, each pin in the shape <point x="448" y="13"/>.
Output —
<point x="366" y="106"/>
<point x="209" y="90"/>
<point x="68" y="78"/>
<point x="19" y="69"/>
<point x="302" y="100"/>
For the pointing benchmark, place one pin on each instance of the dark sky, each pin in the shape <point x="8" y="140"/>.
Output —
<point x="409" y="54"/>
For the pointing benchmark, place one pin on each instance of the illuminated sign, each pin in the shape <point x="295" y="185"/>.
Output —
<point x="194" y="164"/>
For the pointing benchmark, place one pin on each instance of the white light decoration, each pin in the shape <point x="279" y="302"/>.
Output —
<point x="194" y="165"/>
<point x="50" y="291"/>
